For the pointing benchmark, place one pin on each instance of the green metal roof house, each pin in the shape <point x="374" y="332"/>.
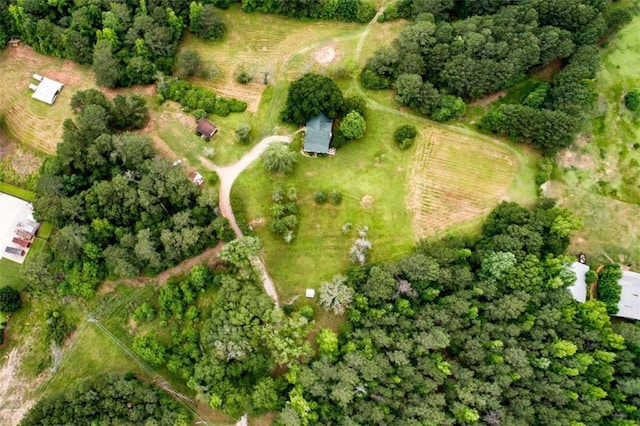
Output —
<point x="318" y="134"/>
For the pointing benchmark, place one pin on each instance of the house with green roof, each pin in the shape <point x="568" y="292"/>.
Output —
<point x="318" y="135"/>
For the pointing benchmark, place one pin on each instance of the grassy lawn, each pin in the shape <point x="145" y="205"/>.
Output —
<point x="461" y="167"/>
<point x="28" y="121"/>
<point x="598" y="177"/>
<point x="10" y="274"/>
<point x="17" y="192"/>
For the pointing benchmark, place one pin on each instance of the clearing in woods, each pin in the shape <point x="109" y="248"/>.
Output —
<point x="25" y="119"/>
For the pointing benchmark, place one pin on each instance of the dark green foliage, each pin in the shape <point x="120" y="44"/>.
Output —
<point x="243" y="133"/>
<point x="205" y="23"/>
<point x="10" y="300"/>
<point x="547" y="130"/>
<point x="463" y="333"/>
<point x="311" y="95"/>
<point x="320" y="197"/>
<point x="284" y="211"/>
<point x="195" y="98"/>
<point x="340" y="10"/>
<point x="404" y="135"/>
<point x="355" y="103"/>
<point x="108" y="399"/>
<point x="120" y="210"/>
<point x="241" y="75"/>
<point x="58" y="327"/>
<point x="536" y="97"/>
<point x="336" y="197"/>
<point x="608" y="288"/>
<point x="188" y="64"/>
<point x="632" y="100"/>
<point x="126" y="43"/>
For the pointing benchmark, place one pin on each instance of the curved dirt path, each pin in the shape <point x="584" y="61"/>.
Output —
<point x="228" y="175"/>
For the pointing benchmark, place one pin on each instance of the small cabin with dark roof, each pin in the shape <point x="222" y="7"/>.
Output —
<point x="318" y="135"/>
<point x="206" y="128"/>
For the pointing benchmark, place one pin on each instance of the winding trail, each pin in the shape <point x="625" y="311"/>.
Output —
<point x="228" y="175"/>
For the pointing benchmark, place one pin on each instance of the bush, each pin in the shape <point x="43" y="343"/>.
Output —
<point x="405" y="135"/>
<point x="338" y="140"/>
<point x="608" y="288"/>
<point x="278" y="158"/>
<point x="632" y="99"/>
<point x="320" y="197"/>
<point x="243" y="133"/>
<point x="353" y="125"/>
<point x="370" y="80"/>
<point x="241" y="75"/>
<point x="336" y="197"/>
<point x="9" y="300"/>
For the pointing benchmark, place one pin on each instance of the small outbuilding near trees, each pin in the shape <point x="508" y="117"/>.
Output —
<point x="47" y="90"/>
<point x="206" y="128"/>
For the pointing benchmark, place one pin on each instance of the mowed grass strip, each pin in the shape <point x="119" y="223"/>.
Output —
<point x="261" y="43"/>
<point x="29" y="121"/>
<point x="455" y="178"/>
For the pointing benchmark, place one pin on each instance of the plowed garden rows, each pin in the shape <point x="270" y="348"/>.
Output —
<point x="454" y="179"/>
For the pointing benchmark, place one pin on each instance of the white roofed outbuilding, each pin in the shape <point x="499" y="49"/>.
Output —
<point x="629" y="305"/>
<point x="47" y="89"/>
<point x="579" y="288"/>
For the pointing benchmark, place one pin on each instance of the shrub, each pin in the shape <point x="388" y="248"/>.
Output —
<point x="608" y="288"/>
<point x="320" y="197"/>
<point x="405" y="135"/>
<point x="632" y="99"/>
<point x="241" y="75"/>
<point x="353" y="125"/>
<point x="9" y="299"/>
<point x="336" y="197"/>
<point x="278" y="158"/>
<point x="243" y="133"/>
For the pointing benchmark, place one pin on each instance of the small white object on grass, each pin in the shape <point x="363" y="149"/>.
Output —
<point x="310" y="293"/>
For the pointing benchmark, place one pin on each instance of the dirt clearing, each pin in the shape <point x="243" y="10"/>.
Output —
<point x="325" y="54"/>
<point x="14" y="402"/>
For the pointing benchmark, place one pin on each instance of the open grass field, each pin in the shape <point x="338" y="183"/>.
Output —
<point x="28" y="121"/>
<point x="598" y="177"/>
<point x="447" y="178"/>
<point x="457" y="178"/>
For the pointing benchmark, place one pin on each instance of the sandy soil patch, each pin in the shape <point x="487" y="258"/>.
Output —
<point x="569" y="158"/>
<point x="14" y="402"/>
<point x="326" y="54"/>
<point x="367" y="202"/>
<point x="257" y="223"/>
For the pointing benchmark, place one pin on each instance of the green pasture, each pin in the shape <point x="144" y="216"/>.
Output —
<point x="598" y="177"/>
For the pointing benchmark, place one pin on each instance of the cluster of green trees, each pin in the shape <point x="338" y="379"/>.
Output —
<point x="227" y="349"/>
<point x="551" y="115"/>
<point x="197" y="99"/>
<point x="125" y="42"/>
<point x="119" y="209"/>
<point x="340" y="10"/>
<point x="314" y="94"/>
<point x="609" y="290"/>
<point x="108" y="399"/>
<point x="468" y="49"/>
<point x="470" y="331"/>
<point x="284" y="211"/>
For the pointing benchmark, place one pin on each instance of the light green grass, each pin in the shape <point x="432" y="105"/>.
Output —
<point x="598" y="177"/>
<point x="10" y="274"/>
<point x="15" y="191"/>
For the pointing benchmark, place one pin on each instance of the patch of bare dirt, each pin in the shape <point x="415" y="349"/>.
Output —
<point x="257" y="223"/>
<point x="14" y="402"/>
<point x="550" y="70"/>
<point x="367" y="202"/>
<point x="326" y="54"/>
<point x="569" y="158"/>
<point x="65" y="75"/>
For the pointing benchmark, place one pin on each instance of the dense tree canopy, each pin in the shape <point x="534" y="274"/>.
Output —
<point x="10" y="300"/>
<point x="120" y="210"/>
<point x="472" y="332"/>
<point x="108" y="399"/>
<point x="311" y="95"/>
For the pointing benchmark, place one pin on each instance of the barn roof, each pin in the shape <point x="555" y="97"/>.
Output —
<point x="47" y="90"/>
<point x="579" y="288"/>
<point x="206" y="128"/>
<point x="629" y="305"/>
<point x="318" y="134"/>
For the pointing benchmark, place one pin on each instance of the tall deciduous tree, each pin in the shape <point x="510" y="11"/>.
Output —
<point x="311" y="95"/>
